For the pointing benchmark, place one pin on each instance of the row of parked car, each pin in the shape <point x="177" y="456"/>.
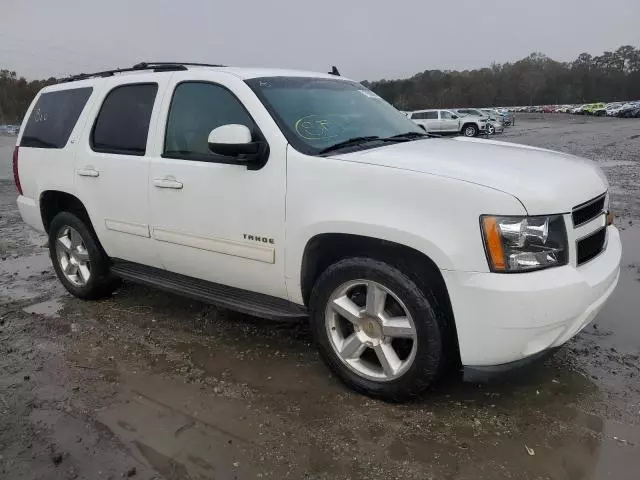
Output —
<point x="469" y="122"/>
<point x="613" y="109"/>
<point x="9" y="129"/>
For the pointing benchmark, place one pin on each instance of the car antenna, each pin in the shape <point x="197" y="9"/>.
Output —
<point x="334" y="71"/>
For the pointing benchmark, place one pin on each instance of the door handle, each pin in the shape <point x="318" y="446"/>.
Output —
<point x="167" y="182"/>
<point x="88" y="171"/>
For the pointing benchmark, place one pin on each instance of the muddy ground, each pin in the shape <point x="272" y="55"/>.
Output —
<point x="149" y="385"/>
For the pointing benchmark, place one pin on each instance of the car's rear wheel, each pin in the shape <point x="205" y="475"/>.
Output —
<point x="376" y="330"/>
<point x="78" y="259"/>
<point x="470" y="130"/>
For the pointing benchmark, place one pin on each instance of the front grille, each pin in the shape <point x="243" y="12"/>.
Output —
<point x="590" y="247"/>
<point x="588" y="211"/>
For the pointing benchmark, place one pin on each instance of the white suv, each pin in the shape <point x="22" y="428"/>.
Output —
<point x="446" y="121"/>
<point x="289" y="194"/>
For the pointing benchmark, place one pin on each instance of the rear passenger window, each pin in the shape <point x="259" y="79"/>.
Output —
<point x="431" y="115"/>
<point x="418" y="116"/>
<point x="122" y="125"/>
<point x="196" y="109"/>
<point x="53" y="118"/>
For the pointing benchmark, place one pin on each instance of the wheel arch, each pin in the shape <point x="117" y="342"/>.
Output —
<point x="325" y="249"/>
<point x="53" y="202"/>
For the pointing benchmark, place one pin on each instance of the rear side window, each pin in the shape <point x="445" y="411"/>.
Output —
<point x="53" y="118"/>
<point x="122" y="125"/>
<point x="431" y="115"/>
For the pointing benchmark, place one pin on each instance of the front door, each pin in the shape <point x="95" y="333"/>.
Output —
<point x="449" y="122"/>
<point x="211" y="217"/>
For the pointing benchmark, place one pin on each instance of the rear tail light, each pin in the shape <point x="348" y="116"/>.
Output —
<point x="16" y="175"/>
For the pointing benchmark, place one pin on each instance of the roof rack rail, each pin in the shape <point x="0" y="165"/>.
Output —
<point x="187" y="64"/>
<point x="154" y="66"/>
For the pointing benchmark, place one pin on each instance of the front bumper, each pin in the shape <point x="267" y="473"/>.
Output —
<point x="482" y="374"/>
<point x="503" y="318"/>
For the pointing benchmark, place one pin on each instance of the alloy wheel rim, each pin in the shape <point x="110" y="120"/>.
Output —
<point x="371" y="330"/>
<point x="469" y="132"/>
<point x="73" y="257"/>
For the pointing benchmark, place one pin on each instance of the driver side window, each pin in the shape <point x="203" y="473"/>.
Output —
<point x="446" y="115"/>
<point x="196" y="109"/>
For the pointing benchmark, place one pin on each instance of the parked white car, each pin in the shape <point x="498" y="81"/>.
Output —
<point x="446" y="121"/>
<point x="285" y="194"/>
<point x="494" y="122"/>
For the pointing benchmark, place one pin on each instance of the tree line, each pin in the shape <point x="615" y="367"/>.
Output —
<point x="534" y="80"/>
<point x="16" y="94"/>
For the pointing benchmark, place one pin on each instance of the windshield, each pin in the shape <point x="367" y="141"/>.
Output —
<point x="317" y="113"/>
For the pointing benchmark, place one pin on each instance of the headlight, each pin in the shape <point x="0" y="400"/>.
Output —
<point x="520" y="244"/>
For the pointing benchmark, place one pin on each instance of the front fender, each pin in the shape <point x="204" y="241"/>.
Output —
<point x="437" y="216"/>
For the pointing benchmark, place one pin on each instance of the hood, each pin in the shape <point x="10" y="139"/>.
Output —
<point x="544" y="181"/>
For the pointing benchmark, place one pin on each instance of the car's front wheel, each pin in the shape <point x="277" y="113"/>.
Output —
<point x="470" y="130"/>
<point x="376" y="330"/>
<point x="78" y="259"/>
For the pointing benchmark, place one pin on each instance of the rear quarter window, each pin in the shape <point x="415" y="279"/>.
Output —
<point x="53" y="117"/>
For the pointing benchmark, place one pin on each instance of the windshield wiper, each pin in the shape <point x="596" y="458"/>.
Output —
<point x="349" y="142"/>
<point x="411" y="136"/>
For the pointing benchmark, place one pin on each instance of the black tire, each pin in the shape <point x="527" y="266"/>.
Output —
<point x="101" y="283"/>
<point x="468" y="128"/>
<point x="432" y="354"/>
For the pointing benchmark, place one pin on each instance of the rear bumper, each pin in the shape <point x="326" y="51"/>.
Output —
<point x="30" y="212"/>
<point x="502" y="318"/>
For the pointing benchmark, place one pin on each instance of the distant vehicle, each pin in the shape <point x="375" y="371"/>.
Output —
<point x="447" y="121"/>
<point x="504" y="117"/>
<point x="592" y="107"/>
<point x="470" y="111"/>
<point x="630" y="111"/>
<point x="626" y="110"/>
<point x="602" y="111"/>
<point x="9" y="129"/>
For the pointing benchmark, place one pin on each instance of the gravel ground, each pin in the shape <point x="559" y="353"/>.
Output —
<point x="150" y="385"/>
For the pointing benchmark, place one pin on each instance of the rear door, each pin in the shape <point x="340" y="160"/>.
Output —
<point x="112" y="169"/>
<point x="432" y="121"/>
<point x="419" y="118"/>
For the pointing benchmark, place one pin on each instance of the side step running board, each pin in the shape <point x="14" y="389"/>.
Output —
<point x="220" y="295"/>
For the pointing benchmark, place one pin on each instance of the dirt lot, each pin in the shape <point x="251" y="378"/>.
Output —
<point x="149" y="385"/>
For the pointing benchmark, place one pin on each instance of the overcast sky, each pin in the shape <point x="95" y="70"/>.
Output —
<point x="366" y="39"/>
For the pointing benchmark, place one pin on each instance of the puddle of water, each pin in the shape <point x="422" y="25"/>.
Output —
<point x="48" y="308"/>
<point x="24" y="267"/>
<point x="16" y="276"/>
<point x="619" y="316"/>
<point x="179" y="436"/>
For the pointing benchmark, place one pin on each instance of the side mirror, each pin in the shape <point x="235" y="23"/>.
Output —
<point x="455" y="117"/>
<point x="234" y="140"/>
